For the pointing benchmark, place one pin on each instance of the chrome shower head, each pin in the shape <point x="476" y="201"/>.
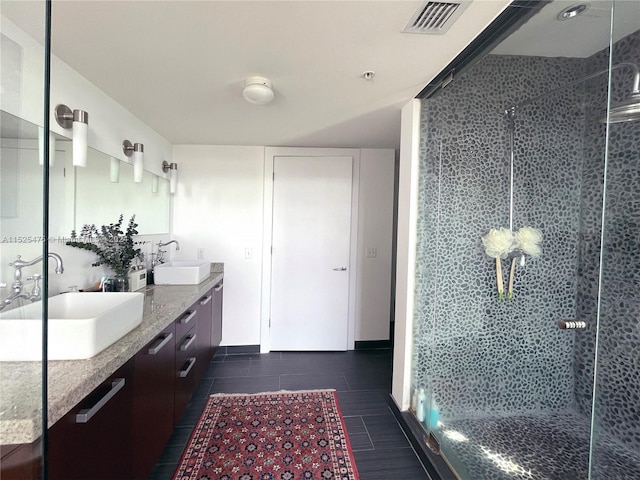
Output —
<point x="626" y="111"/>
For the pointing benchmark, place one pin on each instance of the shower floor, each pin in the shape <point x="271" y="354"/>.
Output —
<point x="552" y="446"/>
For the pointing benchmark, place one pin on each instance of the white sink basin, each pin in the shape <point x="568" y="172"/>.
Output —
<point x="81" y="325"/>
<point x="181" y="273"/>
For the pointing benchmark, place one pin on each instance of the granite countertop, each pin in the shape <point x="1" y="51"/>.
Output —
<point x="72" y="380"/>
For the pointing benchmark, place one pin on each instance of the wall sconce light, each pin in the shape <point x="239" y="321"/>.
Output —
<point x="172" y="168"/>
<point x="52" y="147"/>
<point x="114" y="170"/>
<point x="155" y="181"/>
<point x="257" y="90"/>
<point x="78" y="121"/>
<point x="137" y="149"/>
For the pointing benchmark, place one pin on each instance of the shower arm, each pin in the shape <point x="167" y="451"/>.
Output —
<point x="636" y="86"/>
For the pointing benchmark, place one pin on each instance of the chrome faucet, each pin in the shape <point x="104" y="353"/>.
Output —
<point x="17" y="286"/>
<point x="157" y="258"/>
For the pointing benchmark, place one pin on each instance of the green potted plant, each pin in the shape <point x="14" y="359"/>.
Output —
<point x="115" y="248"/>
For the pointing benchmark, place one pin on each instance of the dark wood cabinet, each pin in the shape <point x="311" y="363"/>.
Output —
<point x="216" y="324"/>
<point x="153" y="389"/>
<point x="186" y="359"/>
<point x="93" y="440"/>
<point x="21" y="462"/>
<point x="203" y="345"/>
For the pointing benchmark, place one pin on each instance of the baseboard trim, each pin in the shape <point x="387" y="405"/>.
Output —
<point x="434" y="464"/>
<point x="372" y="344"/>
<point x="238" y="350"/>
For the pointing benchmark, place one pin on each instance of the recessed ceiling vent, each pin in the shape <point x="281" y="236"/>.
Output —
<point x="435" y="18"/>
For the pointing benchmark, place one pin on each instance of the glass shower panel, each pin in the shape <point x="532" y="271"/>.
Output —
<point x="616" y="408"/>
<point x="511" y="384"/>
<point x="22" y="114"/>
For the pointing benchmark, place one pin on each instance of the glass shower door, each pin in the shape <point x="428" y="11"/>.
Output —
<point x="22" y="157"/>
<point x="615" y="443"/>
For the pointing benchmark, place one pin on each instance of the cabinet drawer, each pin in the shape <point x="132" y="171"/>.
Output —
<point x="93" y="440"/>
<point x="186" y="321"/>
<point x="153" y="400"/>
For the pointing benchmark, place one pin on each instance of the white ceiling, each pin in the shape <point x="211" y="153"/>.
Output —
<point x="180" y="65"/>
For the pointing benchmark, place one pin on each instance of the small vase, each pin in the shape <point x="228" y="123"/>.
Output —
<point x="121" y="283"/>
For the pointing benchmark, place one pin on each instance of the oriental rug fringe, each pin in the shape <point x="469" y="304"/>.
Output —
<point x="269" y="436"/>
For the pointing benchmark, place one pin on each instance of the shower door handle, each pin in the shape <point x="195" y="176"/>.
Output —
<point x="572" y="325"/>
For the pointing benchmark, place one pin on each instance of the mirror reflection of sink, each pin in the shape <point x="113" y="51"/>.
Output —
<point x="81" y="325"/>
<point x="181" y="273"/>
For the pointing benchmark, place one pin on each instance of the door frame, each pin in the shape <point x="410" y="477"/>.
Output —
<point x="265" y="310"/>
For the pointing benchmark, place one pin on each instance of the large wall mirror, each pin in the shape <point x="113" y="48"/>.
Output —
<point x="79" y="196"/>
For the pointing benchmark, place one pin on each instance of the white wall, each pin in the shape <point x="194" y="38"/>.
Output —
<point x="219" y="207"/>
<point x="406" y="252"/>
<point x="375" y="224"/>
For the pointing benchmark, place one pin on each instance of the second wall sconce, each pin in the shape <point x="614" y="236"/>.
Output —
<point x="172" y="168"/>
<point x="78" y="121"/>
<point x="137" y="150"/>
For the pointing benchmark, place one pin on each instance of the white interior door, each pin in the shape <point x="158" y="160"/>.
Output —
<point x="310" y="257"/>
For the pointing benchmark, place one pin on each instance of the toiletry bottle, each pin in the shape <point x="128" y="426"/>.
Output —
<point x="422" y="405"/>
<point x="434" y="414"/>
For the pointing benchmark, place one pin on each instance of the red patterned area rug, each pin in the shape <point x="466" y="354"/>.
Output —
<point x="269" y="436"/>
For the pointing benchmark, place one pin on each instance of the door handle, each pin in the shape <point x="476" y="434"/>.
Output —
<point x="340" y="269"/>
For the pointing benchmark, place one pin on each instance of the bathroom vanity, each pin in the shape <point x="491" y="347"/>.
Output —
<point x="110" y="416"/>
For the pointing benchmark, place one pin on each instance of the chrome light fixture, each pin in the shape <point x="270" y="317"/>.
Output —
<point x="114" y="170"/>
<point x="52" y="147"/>
<point x="137" y="150"/>
<point x="172" y="168"/>
<point x="78" y="121"/>
<point x="257" y="90"/>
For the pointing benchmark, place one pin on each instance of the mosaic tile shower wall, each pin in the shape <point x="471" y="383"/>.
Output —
<point x="479" y="356"/>
<point x="618" y="378"/>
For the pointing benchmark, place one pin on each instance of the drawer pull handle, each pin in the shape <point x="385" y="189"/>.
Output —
<point x="206" y="300"/>
<point x="218" y="287"/>
<point x="185" y="372"/>
<point x="189" y="340"/>
<point x="186" y="319"/>
<point x="83" y="416"/>
<point x="165" y="340"/>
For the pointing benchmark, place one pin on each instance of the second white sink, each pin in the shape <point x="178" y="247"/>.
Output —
<point x="181" y="273"/>
<point x="81" y="325"/>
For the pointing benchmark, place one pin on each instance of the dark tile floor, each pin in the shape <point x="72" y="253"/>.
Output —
<point x="362" y="379"/>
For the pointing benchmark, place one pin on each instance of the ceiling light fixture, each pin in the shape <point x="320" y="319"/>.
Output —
<point x="257" y="90"/>
<point x="573" y="11"/>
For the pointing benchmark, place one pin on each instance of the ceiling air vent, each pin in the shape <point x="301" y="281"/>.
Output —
<point x="435" y="18"/>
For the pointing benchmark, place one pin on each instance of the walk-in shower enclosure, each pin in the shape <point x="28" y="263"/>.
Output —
<point x="505" y="386"/>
